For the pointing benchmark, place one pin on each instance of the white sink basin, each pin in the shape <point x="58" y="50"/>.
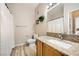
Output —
<point x="60" y="43"/>
<point x="56" y="42"/>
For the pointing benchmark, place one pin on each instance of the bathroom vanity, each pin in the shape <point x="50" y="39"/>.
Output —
<point x="46" y="50"/>
<point x="50" y="46"/>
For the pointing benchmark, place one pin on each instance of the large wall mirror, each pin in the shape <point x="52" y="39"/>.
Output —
<point x="63" y="18"/>
<point x="55" y="16"/>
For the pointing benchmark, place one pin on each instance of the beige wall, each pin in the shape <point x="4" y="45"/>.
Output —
<point x="41" y="28"/>
<point x="68" y="7"/>
<point x="24" y="17"/>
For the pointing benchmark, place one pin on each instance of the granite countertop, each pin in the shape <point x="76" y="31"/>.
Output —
<point x="71" y="51"/>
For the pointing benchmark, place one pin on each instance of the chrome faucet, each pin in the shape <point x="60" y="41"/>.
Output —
<point x="61" y="36"/>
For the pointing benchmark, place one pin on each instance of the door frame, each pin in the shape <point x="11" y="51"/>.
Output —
<point x="74" y="14"/>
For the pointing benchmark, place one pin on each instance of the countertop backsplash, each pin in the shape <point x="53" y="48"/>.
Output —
<point x="69" y="37"/>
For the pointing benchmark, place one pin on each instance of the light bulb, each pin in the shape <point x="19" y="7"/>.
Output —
<point x="50" y="4"/>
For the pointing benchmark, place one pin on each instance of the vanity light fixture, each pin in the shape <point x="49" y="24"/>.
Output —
<point x="50" y="5"/>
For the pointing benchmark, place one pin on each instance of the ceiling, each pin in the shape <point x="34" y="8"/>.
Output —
<point x="12" y="6"/>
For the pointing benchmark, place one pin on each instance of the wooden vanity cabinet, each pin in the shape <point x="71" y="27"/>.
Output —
<point x="45" y="50"/>
<point x="39" y="48"/>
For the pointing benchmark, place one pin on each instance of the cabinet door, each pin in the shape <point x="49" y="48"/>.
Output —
<point x="39" y="48"/>
<point x="49" y="51"/>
